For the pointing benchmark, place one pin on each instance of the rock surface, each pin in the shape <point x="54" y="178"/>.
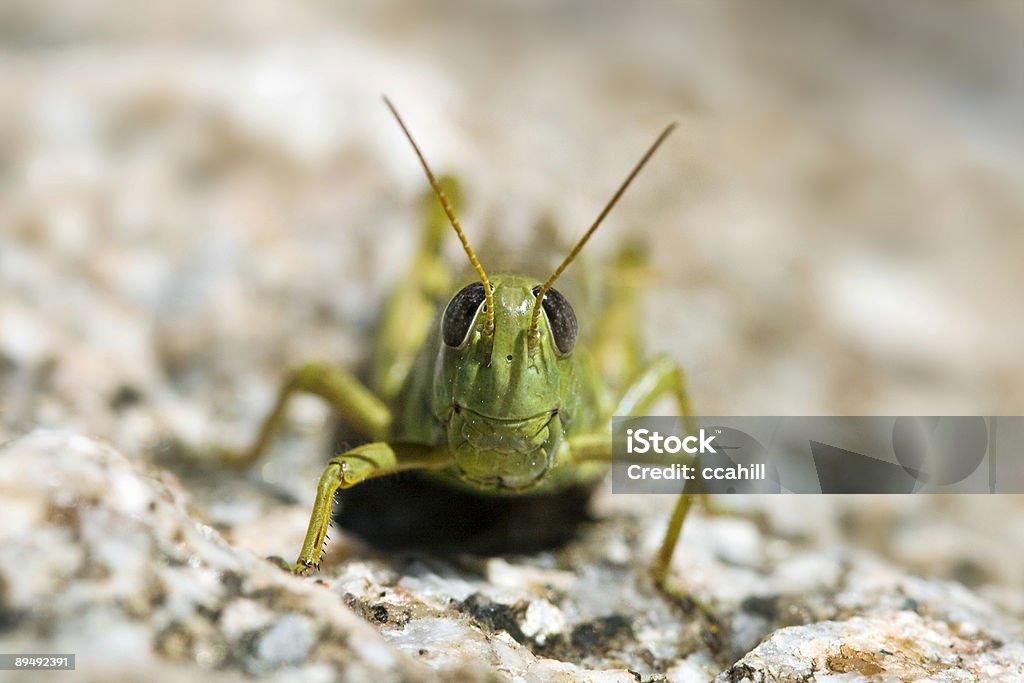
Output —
<point x="197" y="197"/>
<point x="102" y="558"/>
<point x="901" y="646"/>
<point x="105" y="558"/>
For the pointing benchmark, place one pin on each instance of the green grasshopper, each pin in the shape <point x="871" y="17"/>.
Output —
<point x="497" y="398"/>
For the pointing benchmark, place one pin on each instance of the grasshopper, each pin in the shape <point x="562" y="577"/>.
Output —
<point x="492" y="394"/>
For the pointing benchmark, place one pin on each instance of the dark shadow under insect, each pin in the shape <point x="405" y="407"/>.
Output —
<point x="439" y="519"/>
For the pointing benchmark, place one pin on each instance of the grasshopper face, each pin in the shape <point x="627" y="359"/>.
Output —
<point x="499" y="399"/>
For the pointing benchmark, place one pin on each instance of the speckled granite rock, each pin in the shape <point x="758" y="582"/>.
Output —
<point x="901" y="646"/>
<point x="100" y="557"/>
<point x="105" y="558"/>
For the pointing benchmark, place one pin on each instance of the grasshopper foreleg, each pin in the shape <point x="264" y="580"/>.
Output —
<point x="662" y="376"/>
<point x="344" y="471"/>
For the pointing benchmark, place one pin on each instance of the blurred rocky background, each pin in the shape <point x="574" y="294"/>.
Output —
<point x="196" y="197"/>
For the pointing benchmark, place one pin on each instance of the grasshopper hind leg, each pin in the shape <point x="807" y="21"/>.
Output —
<point x="617" y="344"/>
<point x="409" y="310"/>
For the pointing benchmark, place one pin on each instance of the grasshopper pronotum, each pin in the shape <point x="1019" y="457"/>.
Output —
<point x="497" y="398"/>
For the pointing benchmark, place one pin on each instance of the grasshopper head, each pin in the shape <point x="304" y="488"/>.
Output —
<point x="501" y="401"/>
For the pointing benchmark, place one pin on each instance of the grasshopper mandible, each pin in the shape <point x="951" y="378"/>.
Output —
<point x="497" y="397"/>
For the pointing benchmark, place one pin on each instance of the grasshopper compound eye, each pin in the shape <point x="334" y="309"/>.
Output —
<point x="561" y="319"/>
<point x="459" y="315"/>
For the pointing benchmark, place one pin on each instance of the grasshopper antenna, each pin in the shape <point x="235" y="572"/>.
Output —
<point x="535" y="319"/>
<point x="446" y="205"/>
